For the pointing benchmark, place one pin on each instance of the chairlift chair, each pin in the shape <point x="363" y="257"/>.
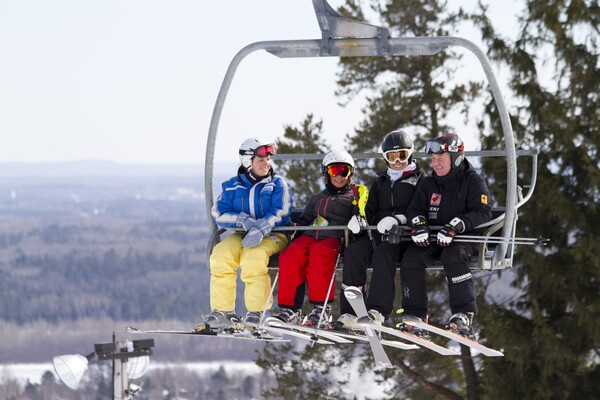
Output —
<point x="344" y="37"/>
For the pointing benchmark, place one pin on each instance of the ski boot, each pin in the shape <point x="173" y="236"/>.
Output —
<point x="220" y="321"/>
<point x="462" y="324"/>
<point x="253" y="317"/>
<point x="319" y="313"/>
<point x="413" y="330"/>
<point x="287" y="315"/>
<point x="376" y="317"/>
<point x="346" y="322"/>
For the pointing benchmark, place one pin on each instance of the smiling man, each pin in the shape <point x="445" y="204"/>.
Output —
<point x="454" y="197"/>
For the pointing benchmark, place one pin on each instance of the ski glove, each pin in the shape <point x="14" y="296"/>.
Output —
<point x="244" y="221"/>
<point x="252" y="238"/>
<point x="263" y="226"/>
<point x="255" y="235"/>
<point x="387" y="223"/>
<point x="420" y="231"/>
<point x="448" y="231"/>
<point x="394" y="235"/>
<point x="357" y="224"/>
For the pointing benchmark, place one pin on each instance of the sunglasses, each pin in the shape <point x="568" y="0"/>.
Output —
<point x="433" y="147"/>
<point x="397" y="155"/>
<point x="260" y="151"/>
<point x="339" y="169"/>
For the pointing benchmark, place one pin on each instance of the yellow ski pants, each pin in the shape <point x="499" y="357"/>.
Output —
<point x="227" y="256"/>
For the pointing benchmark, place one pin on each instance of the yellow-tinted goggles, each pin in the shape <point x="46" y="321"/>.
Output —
<point x="394" y="155"/>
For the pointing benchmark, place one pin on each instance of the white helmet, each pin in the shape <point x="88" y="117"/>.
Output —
<point x="337" y="157"/>
<point x="254" y="147"/>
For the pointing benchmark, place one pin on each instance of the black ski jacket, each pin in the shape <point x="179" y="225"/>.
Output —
<point x="462" y="194"/>
<point x="387" y="198"/>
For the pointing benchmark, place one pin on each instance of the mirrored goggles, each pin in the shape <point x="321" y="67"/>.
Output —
<point x="339" y="169"/>
<point x="401" y="155"/>
<point x="261" y="151"/>
<point x="434" y="147"/>
<point x="266" y="150"/>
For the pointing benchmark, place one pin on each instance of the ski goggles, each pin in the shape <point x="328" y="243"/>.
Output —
<point x="260" y="151"/>
<point x="397" y="155"/>
<point x="434" y="147"/>
<point x="343" y="170"/>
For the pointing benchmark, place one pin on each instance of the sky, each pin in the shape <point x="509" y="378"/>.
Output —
<point x="135" y="81"/>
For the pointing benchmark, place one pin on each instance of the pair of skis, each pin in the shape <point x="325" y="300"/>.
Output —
<point x="371" y="335"/>
<point x="239" y="331"/>
<point x="355" y="298"/>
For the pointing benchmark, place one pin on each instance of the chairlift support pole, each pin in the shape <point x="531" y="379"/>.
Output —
<point x="343" y="37"/>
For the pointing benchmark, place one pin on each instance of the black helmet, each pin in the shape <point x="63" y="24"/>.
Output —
<point x="396" y="141"/>
<point x="450" y="143"/>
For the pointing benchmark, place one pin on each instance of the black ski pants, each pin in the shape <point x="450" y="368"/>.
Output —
<point x="455" y="258"/>
<point x="383" y="258"/>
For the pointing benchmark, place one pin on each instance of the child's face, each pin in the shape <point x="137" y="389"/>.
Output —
<point x="339" y="181"/>
<point x="339" y="174"/>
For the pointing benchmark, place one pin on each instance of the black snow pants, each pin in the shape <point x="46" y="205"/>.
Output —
<point x="383" y="259"/>
<point x="461" y="288"/>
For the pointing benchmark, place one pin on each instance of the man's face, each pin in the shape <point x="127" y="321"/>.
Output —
<point x="441" y="164"/>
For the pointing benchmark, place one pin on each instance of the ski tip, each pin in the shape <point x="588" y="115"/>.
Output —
<point x="386" y="365"/>
<point x="352" y="292"/>
<point x="132" y="329"/>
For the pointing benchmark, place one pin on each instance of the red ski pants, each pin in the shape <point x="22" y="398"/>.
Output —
<point x="307" y="260"/>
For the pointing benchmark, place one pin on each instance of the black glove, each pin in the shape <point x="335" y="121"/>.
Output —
<point x="448" y="231"/>
<point x="420" y="231"/>
<point x="394" y="235"/>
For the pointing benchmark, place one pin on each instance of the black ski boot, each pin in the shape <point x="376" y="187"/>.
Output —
<point x="462" y="324"/>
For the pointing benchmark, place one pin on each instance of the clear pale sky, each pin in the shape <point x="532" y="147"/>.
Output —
<point x="134" y="81"/>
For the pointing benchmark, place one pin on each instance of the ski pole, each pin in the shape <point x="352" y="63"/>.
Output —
<point x="337" y="261"/>
<point x="271" y="297"/>
<point x="539" y="241"/>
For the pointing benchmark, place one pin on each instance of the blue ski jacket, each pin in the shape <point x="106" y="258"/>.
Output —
<point x="270" y="198"/>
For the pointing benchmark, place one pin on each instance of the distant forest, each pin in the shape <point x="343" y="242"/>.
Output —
<point x="87" y="253"/>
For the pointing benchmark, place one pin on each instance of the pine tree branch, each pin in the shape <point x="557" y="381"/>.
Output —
<point x="428" y="385"/>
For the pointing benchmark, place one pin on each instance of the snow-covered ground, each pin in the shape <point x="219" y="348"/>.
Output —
<point x="357" y="382"/>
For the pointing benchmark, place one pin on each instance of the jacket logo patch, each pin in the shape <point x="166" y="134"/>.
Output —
<point x="483" y="199"/>
<point x="436" y="199"/>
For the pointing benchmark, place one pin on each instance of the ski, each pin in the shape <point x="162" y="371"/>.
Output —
<point x="289" y="332"/>
<point x="353" y="335"/>
<point x="235" y="334"/>
<point x="419" y="323"/>
<point x="416" y="340"/>
<point x="355" y="298"/>
<point x="328" y="335"/>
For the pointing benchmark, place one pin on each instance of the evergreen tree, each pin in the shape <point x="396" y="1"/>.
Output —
<point x="303" y="175"/>
<point x="550" y="331"/>
<point x="417" y="94"/>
